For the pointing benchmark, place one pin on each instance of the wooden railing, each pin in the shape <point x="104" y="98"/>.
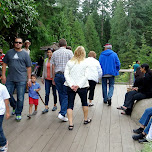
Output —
<point x="130" y="71"/>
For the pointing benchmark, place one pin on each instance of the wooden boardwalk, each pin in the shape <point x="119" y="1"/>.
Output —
<point x="109" y="131"/>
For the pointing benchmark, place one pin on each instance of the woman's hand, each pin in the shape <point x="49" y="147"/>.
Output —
<point x="135" y="88"/>
<point x="74" y="88"/>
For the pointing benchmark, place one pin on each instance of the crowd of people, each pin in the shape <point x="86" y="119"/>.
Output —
<point x="68" y="74"/>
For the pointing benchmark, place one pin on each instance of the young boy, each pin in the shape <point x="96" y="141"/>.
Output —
<point x="33" y="95"/>
<point x="4" y="104"/>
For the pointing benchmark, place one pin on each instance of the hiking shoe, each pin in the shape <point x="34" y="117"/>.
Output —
<point x="18" y="118"/>
<point x="29" y="116"/>
<point x="137" y="137"/>
<point x="54" y="108"/>
<point x="4" y="148"/>
<point x="62" y="117"/>
<point x="13" y="112"/>
<point x="109" y="102"/>
<point x="34" y="113"/>
<point x="138" y="131"/>
<point x="45" y="111"/>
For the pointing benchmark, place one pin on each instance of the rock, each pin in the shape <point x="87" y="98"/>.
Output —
<point x="139" y="108"/>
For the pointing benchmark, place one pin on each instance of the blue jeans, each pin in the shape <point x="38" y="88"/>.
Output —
<point x="20" y="88"/>
<point x="145" y="119"/>
<point x="48" y="84"/>
<point x="104" y="87"/>
<point x="62" y="90"/>
<point x="2" y="136"/>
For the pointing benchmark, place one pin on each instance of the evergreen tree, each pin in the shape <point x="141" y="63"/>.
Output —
<point x="118" y="27"/>
<point x="91" y="35"/>
<point x="145" y="52"/>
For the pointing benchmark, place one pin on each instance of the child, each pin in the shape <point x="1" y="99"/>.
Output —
<point x="33" y="95"/>
<point x="4" y="104"/>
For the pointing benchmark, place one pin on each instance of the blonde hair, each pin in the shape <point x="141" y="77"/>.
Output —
<point x="92" y="54"/>
<point x="79" y="54"/>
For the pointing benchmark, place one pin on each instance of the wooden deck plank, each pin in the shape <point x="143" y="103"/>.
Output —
<point x="104" y="131"/>
<point x="115" y="129"/>
<point x="109" y="131"/>
<point x="126" y="131"/>
<point x="58" y="138"/>
<point x="92" y="136"/>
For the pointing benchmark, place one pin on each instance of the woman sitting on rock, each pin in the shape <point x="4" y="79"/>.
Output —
<point x="143" y="91"/>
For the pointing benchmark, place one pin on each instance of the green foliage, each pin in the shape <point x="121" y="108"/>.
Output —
<point x="6" y="16"/>
<point x="3" y="44"/>
<point x="126" y="24"/>
<point x="118" y="27"/>
<point x="92" y="38"/>
<point x="18" y="14"/>
<point x="123" y="77"/>
<point x="145" y="52"/>
<point x="147" y="147"/>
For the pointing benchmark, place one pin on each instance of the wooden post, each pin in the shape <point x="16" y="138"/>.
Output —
<point x="130" y="78"/>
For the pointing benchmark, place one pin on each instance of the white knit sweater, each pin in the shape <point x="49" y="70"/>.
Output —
<point x="94" y="70"/>
<point x="76" y="74"/>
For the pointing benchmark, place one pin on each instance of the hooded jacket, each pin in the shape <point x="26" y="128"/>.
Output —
<point x="109" y="62"/>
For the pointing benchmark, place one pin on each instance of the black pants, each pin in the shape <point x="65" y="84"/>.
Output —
<point x="92" y="85"/>
<point x="71" y="97"/>
<point x="130" y="97"/>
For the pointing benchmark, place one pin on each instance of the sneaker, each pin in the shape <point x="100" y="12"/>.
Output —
<point x="138" y="131"/>
<point x="54" y="108"/>
<point x="4" y="148"/>
<point x="34" y="113"/>
<point x="137" y="137"/>
<point x="29" y="116"/>
<point x="45" y="111"/>
<point x="18" y="118"/>
<point x="90" y="104"/>
<point x="13" y="112"/>
<point x="109" y="102"/>
<point x="62" y="117"/>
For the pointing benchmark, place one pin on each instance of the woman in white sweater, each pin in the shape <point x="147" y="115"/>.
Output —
<point x="95" y="73"/>
<point x="76" y="75"/>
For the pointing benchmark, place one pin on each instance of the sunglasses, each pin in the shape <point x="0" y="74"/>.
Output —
<point x="18" y="42"/>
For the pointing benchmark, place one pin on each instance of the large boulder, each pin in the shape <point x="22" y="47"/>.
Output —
<point x="139" y="108"/>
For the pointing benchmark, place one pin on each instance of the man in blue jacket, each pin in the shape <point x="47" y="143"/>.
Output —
<point x="110" y="65"/>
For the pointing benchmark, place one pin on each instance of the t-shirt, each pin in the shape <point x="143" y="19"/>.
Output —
<point x="17" y="65"/>
<point x="32" y="93"/>
<point x="135" y="67"/>
<point x="3" y="95"/>
<point x="49" y="71"/>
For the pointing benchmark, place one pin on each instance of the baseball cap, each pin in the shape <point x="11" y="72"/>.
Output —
<point x="108" y="45"/>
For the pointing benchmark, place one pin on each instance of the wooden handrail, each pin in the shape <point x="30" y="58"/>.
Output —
<point x="130" y="75"/>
